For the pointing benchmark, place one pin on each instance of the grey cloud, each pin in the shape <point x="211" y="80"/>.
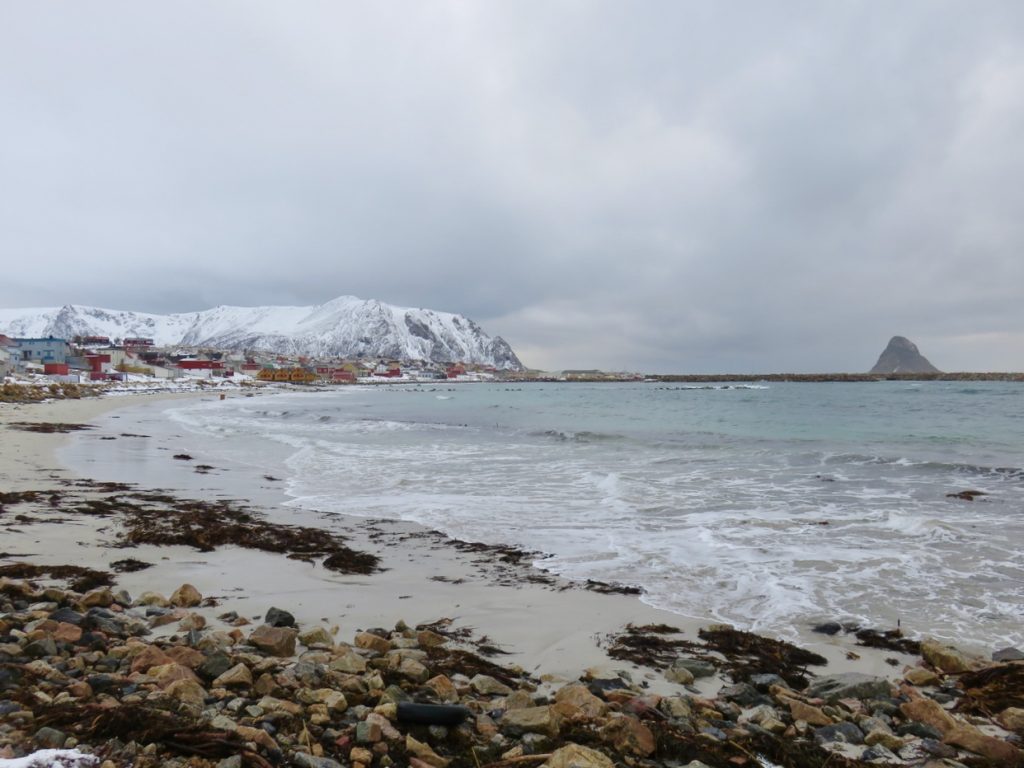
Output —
<point x="661" y="186"/>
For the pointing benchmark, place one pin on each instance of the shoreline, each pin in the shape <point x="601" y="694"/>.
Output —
<point x="550" y="628"/>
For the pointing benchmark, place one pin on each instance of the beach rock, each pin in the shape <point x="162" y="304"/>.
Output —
<point x="427" y="639"/>
<point x="973" y="740"/>
<point x="318" y="637"/>
<point x="424" y="752"/>
<point x="930" y="713"/>
<point x="67" y="633"/>
<point x="885" y="738"/>
<point x="488" y="686"/>
<point x="238" y="675"/>
<point x="828" y="628"/>
<point x="679" y="674"/>
<point x="44" y="646"/>
<point x="50" y="738"/>
<point x="443" y="687"/>
<point x="186" y="596"/>
<point x="628" y="734"/>
<point x="372" y="642"/>
<point x="148" y="657"/>
<point x="947" y="658"/>
<point x="349" y="663"/>
<point x="576" y="700"/>
<point x="189" y="693"/>
<point x="921" y="677"/>
<point x="849" y="685"/>
<point x="696" y="667"/>
<point x="305" y="760"/>
<point x="166" y="674"/>
<point x="843" y="732"/>
<point x="809" y="714"/>
<point x="577" y="756"/>
<point x="275" y="641"/>
<point x="1012" y="719"/>
<point x="531" y="720"/>
<point x="152" y="598"/>
<point x="101" y="597"/>
<point x="278" y="618"/>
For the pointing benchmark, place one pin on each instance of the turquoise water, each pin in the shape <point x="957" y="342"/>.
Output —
<point x="768" y="506"/>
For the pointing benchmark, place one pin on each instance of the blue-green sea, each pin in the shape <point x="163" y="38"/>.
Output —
<point x="769" y="506"/>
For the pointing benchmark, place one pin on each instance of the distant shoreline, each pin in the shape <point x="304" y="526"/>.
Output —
<point x="708" y="378"/>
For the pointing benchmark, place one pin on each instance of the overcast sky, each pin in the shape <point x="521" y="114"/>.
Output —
<point x="662" y="186"/>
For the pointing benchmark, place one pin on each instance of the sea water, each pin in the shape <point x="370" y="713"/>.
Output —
<point x="771" y="507"/>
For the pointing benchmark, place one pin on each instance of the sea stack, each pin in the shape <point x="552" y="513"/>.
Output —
<point x="902" y="356"/>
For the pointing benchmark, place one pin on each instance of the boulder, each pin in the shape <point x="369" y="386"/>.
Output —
<point x="628" y="734"/>
<point x="945" y="657"/>
<point x="186" y="596"/>
<point x="531" y="720"/>
<point x="577" y="756"/>
<point x="349" y="662"/>
<point x="488" y="686"/>
<point x="318" y="636"/>
<point x="424" y="752"/>
<point x="849" y="685"/>
<point x="238" y="675"/>
<point x="576" y="701"/>
<point x="809" y="714"/>
<point x="920" y="676"/>
<point x="275" y="641"/>
<point x="189" y="693"/>
<point x="1012" y="719"/>
<point x="279" y="618"/>
<point x="372" y="642"/>
<point x="149" y="657"/>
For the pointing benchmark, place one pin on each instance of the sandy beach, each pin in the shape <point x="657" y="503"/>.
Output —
<point x="550" y="632"/>
<point x="553" y="628"/>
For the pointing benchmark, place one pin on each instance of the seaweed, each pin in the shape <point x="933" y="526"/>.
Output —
<point x="748" y="654"/>
<point x="890" y="639"/>
<point x="993" y="689"/>
<point x="79" y="578"/>
<point x="647" y="646"/>
<point x="48" y="427"/>
<point x="129" y="565"/>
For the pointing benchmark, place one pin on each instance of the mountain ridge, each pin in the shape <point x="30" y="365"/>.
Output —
<point x="342" y="327"/>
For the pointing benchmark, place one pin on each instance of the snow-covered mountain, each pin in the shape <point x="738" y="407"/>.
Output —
<point x="345" y="327"/>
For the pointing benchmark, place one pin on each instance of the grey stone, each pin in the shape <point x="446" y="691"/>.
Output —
<point x="303" y="760"/>
<point x="878" y="752"/>
<point x="696" y="667"/>
<point x="50" y="738"/>
<point x="277" y="617"/>
<point x="828" y="628"/>
<point x="41" y="647"/>
<point x="235" y="761"/>
<point x="844" y="732"/>
<point x="849" y="685"/>
<point x="744" y="694"/>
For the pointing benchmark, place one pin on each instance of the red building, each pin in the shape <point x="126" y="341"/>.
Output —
<point x="55" y="369"/>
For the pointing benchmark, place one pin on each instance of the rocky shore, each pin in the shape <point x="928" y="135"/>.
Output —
<point x="170" y="674"/>
<point x="156" y="680"/>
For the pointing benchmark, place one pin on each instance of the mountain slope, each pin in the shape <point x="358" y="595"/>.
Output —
<point x="344" y="327"/>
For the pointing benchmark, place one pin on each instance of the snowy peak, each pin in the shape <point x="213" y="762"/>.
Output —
<point x="343" y="327"/>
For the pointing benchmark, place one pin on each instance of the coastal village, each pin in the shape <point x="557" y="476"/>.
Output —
<point x="98" y="358"/>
